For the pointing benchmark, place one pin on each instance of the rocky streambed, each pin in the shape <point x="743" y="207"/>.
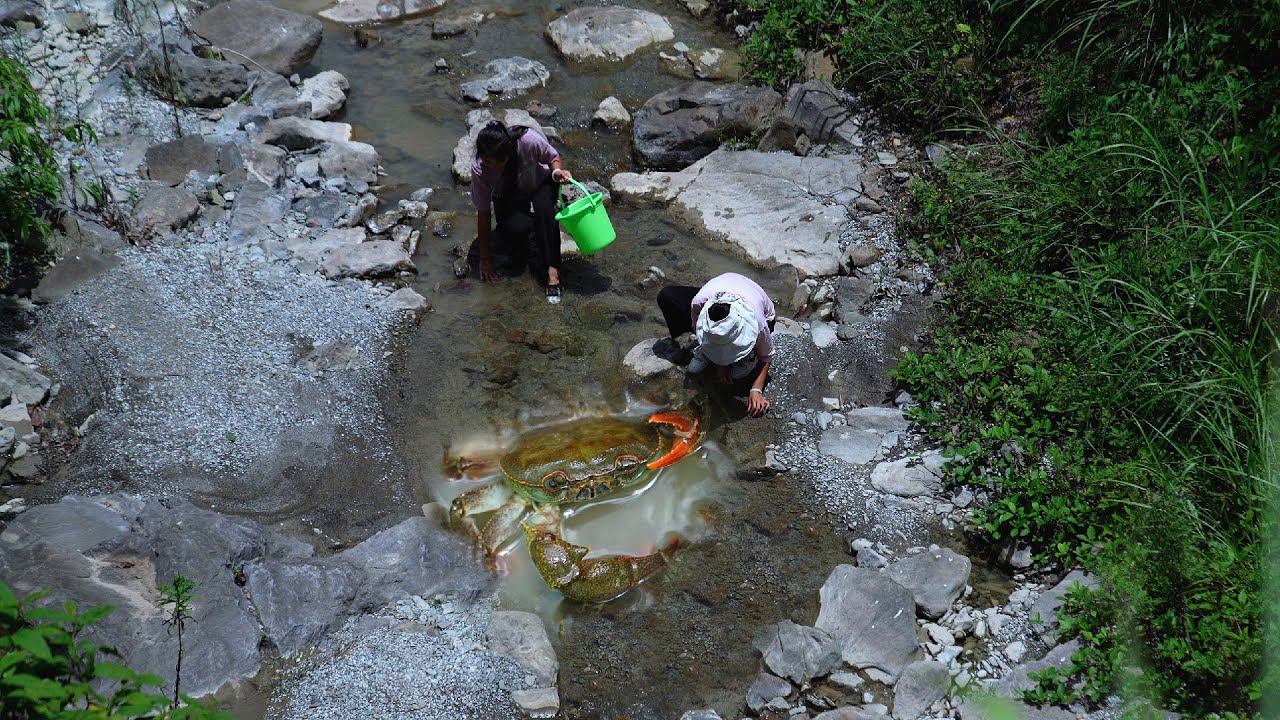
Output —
<point x="254" y="345"/>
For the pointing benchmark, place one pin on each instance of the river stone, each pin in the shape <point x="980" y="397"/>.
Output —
<point x="818" y="110"/>
<point x="522" y="637"/>
<point x="476" y="120"/>
<point x="16" y="417"/>
<point x="163" y="209"/>
<point x="72" y="270"/>
<point x="910" y="476"/>
<point x="355" y="161"/>
<point x="645" y="362"/>
<point x="871" y="617"/>
<point x="326" y="91"/>
<point x="13" y="12"/>
<point x="298" y="601"/>
<point x="935" y="578"/>
<point x="169" y="162"/>
<point x="357" y="12"/>
<point x="860" y="256"/>
<point x="771" y="206"/>
<point x="295" y="133"/>
<point x="256" y="208"/>
<point x="539" y="702"/>
<point x="21" y="382"/>
<point x="801" y="653"/>
<point x="611" y="113"/>
<point x="765" y="688"/>
<point x="376" y="258"/>
<point x="679" y="126"/>
<point x="1045" y="609"/>
<point x="199" y="82"/>
<point x="278" y="40"/>
<point x="707" y="714"/>
<point x="823" y="333"/>
<point x="404" y="299"/>
<point x="509" y="76"/>
<point x="853" y="445"/>
<point x="921" y="685"/>
<point x="607" y="33"/>
<point x="851" y="713"/>
<point x="714" y="64"/>
<point x="261" y="163"/>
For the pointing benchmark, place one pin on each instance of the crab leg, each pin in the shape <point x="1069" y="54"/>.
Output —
<point x="497" y="497"/>
<point x="685" y="428"/>
<point x="565" y="567"/>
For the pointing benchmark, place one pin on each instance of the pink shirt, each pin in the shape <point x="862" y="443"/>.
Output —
<point x="755" y="297"/>
<point x="536" y="156"/>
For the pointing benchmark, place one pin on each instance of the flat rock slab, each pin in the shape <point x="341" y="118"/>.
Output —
<point x="921" y="685"/>
<point x="765" y="688"/>
<point x="376" y="258"/>
<point x="509" y="76"/>
<point x="71" y="271"/>
<point x="295" y="133"/>
<point x="355" y="12"/>
<point x="769" y="205"/>
<point x="676" y="127"/>
<point x="863" y="438"/>
<point x="170" y="162"/>
<point x="607" y="33"/>
<point x="21" y="382"/>
<point x="872" y="618"/>
<point x="278" y="40"/>
<point x="522" y="637"/>
<point x="910" y="476"/>
<point x="163" y="209"/>
<point x="935" y="578"/>
<point x="256" y="208"/>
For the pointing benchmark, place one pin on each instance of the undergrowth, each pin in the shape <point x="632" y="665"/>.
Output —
<point x="1107" y="233"/>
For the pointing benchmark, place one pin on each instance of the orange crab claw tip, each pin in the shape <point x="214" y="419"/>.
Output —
<point x="683" y="422"/>
<point x="683" y="447"/>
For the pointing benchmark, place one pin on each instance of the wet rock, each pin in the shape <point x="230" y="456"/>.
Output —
<point x="684" y="124"/>
<point x="645" y="362"/>
<point x="254" y="211"/>
<point x="801" y="653"/>
<point x="765" y="688"/>
<point x="377" y="258"/>
<point x="607" y="33"/>
<point x="871" y="617"/>
<point x="522" y="637"/>
<point x="327" y="93"/>
<point x="163" y="209"/>
<point x="771" y="206"/>
<point x="538" y="703"/>
<point x="405" y="299"/>
<point x="611" y="113"/>
<point x="851" y="713"/>
<point x="294" y="133"/>
<point x="355" y="161"/>
<point x="72" y="270"/>
<point x="21" y="383"/>
<point x="820" y="113"/>
<point x="921" y="685"/>
<point x="510" y="76"/>
<point x="715" y="64"/>
<point x="356" y="12"/>
<point x="707" y="714"/>
<point x="278" y="40"/>
<point x="910" y="476"/>
<point x="200" y="82"/>
<point x="935" y="578"/>
<point x="170" y="162"/>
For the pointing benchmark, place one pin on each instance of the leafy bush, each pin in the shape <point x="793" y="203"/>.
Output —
<point x="48" y="669"/>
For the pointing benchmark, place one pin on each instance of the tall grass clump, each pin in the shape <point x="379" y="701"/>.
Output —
<point x="1102" y="361"/>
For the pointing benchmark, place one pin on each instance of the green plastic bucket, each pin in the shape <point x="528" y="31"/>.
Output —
<point x="586" y="220"/>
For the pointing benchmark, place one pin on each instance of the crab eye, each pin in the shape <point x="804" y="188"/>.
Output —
<point x="556" y="481"/>
<point x="626" y="462"/>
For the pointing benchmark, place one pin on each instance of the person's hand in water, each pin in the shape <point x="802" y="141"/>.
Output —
<point x="487" y="273"/>
<point x="757" y="403"/>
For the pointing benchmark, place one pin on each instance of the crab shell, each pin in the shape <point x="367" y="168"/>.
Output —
<point x="586" y="458"/>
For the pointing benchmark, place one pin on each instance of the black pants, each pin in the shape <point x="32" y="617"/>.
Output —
<point x="518" y="229"/>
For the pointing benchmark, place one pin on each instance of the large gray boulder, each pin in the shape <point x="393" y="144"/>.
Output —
<point x="509" y="76"/>
<point x="679" y="126"/>
<point x="607" y="33"/>
<point x="910" y="476"/>
<point x="373" y="259"/>
<point x="817" y="109"/>
<point x="260" y="33"/>
<point x="298" y="600"/>
<point x="357" y="12"/>
<point x="776" y="208"/>
<point x="326" y="91"/>
<point x="195" y="81"/>
<point x="356" y="161"/>
<point x="163" y="209"/>
<point x="295" y="133"/>
<point x="935" y="578"/>
<point x="19" y="382"/>
<point x="871" y="617"/>
<point x="169" y="162"/>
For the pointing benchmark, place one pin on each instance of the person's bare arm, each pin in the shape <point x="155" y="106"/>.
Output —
<point x="483" y="221"/>
<point x="757" y="403"/>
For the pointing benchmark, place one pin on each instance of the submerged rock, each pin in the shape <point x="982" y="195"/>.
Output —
<point x="355" y="12"/>
<point x="510" y="76"/>
<point x="607" y="33"/>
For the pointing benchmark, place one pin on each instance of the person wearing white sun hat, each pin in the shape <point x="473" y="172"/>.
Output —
<point x="732" y="318"/>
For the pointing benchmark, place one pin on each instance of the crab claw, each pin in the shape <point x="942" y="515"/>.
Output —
<point x="565" y="567"/>
<point x="685" y="428"/>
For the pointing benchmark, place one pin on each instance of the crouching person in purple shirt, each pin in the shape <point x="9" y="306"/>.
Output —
<point x="732" y="318"/>
<point x="513" y="170"/>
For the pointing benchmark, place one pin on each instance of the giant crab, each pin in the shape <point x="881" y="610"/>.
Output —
<point x="573" y="462"/>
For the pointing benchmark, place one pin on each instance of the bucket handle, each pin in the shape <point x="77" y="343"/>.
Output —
<point x="585" y="193"/>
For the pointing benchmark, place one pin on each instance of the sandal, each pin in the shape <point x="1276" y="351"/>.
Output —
<point x="553" y="294"/>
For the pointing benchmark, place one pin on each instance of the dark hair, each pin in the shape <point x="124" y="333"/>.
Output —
<point x="494" y="141"/>
<point x="718" y="311"/>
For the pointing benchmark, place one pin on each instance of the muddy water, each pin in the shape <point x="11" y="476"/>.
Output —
<point x="493" y="360"/>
